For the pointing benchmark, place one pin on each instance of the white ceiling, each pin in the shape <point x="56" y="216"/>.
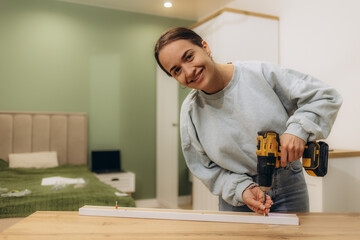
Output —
<point x="184" y="9"/>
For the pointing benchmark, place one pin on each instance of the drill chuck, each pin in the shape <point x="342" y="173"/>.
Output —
<point x="265" y="167"/>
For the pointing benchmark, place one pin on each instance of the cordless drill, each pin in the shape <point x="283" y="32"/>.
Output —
<point x="314" y="159"/>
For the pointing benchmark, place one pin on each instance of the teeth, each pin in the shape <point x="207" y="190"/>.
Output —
<point x="196" y="77"/>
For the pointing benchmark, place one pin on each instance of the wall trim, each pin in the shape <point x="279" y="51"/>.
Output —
<point x="233" y="10"/>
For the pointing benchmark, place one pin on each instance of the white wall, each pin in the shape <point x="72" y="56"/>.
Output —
<point x="322" y="38"/>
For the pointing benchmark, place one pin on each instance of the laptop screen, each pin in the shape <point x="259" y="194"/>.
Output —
<point x="105" y="161"/>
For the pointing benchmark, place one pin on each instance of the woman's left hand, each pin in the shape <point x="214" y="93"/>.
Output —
<point x="292" y="148"/>
<point x="253" y="198"/>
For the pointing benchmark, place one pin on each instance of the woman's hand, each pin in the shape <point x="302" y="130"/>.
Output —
<point x="253" y="198"/>
<point x="292" y="148"/>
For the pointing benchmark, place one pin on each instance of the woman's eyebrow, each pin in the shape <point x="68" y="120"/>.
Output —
<point x="182" y="58"/>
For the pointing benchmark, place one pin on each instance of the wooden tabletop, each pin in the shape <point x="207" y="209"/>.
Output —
<point x="69" y="225"/>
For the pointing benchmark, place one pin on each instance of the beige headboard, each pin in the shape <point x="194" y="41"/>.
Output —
<point x="65" y="133"/>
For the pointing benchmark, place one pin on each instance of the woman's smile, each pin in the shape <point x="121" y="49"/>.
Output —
<point x="197" y="78"/>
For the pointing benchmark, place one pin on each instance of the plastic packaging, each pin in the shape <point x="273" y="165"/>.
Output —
<point x="121" y="194"/>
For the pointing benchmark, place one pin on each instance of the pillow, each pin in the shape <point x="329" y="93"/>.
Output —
<point x="33" y="160"/>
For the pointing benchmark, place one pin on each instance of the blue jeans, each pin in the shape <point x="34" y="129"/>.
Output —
<point x="288" y="192"/>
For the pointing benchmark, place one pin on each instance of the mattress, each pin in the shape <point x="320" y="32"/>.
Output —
<point x="22" y="194"/>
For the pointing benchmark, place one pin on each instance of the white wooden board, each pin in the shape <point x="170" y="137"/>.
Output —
<point x="190" y="215"/>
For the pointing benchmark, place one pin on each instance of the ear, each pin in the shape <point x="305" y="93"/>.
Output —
<point x="206" y="47"/>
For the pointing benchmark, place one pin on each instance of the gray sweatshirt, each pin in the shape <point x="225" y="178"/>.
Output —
<point x="219" y="131"/>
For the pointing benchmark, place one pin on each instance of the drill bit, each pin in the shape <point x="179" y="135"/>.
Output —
<point x="264" y="199"/>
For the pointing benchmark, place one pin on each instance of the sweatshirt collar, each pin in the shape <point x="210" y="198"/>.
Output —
<point x="226" y="89"/>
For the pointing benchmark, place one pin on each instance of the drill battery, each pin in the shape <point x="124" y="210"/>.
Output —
<point x="315" y="158"/>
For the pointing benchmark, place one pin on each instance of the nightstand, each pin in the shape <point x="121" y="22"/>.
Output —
<point x="123" y="181"/>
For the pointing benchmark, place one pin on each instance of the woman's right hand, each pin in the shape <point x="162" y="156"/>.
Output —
<point x="253" y="198"/>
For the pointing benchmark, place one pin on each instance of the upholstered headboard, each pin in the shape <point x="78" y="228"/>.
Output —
<point x="65" y="133"/>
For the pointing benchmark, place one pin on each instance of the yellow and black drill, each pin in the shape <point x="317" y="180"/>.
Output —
<point x="314" y="159"/>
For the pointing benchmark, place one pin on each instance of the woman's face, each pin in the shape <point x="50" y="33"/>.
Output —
<point x="188" y="63"/>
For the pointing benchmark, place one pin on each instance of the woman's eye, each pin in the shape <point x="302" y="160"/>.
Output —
<point x="176" y="71"/>
<point x="189" y="57"/>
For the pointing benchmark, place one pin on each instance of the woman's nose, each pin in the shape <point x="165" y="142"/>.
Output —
<point x="189" y="72"/>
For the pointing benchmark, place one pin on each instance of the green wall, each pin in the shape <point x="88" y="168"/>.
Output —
<point x="63" y="57"/>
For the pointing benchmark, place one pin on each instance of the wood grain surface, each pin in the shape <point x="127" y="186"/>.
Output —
<point x="69" y="225"/>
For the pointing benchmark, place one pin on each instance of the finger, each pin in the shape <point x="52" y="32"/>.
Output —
<point x="259" y="211"/>
<point x="268" y="199"/>
<point x="291" y="156"/>
<point x="268" y="202"/>
<point x="283" y="156"/>
<point x="252" y="208"/>
<point x="255" y="210"/>
<point x="267" y="211"/>
<point x="256" y="206"/>
<point x="260" y="196"/>
<point x="300" y="152"/>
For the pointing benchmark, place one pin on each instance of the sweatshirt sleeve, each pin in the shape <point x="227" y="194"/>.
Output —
<point x="312" y="105"/>
<point x="219" y="181"/>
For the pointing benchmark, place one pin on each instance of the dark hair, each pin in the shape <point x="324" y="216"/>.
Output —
<point x="173" y="35"/>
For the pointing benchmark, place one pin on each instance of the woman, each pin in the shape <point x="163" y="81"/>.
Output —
<point x="228" y="105"/>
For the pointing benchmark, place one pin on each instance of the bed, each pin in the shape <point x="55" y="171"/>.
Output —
<point x="21" y="192"/>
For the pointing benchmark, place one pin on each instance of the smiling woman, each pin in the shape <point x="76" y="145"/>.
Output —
<point x="228" y="105"/>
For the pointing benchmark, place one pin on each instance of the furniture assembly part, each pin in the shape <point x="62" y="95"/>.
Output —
<point x="190" y="215"/>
